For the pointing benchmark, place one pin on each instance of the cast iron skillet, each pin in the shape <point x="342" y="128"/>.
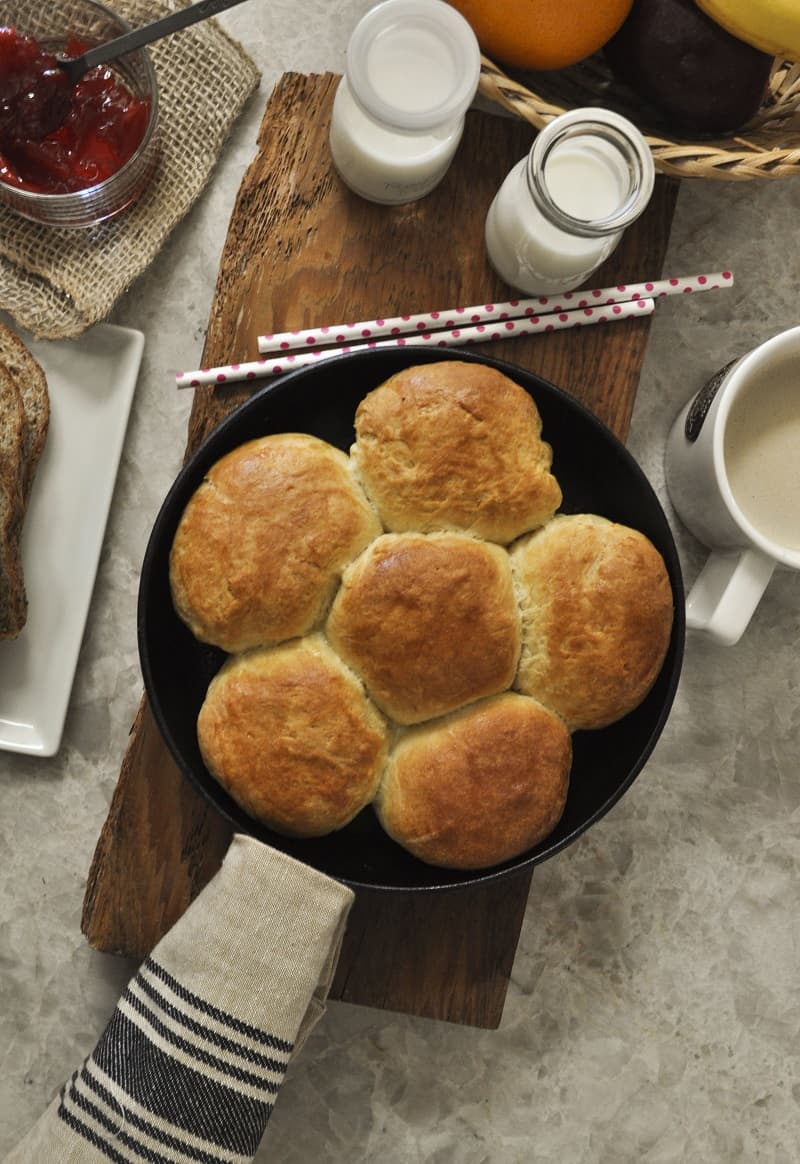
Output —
<point x="597" y="475"/>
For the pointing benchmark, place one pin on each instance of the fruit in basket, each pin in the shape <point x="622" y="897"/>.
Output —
<point x="697" y="75"/>
<point x="543" y="34"/>
<point x="770" y="25"/>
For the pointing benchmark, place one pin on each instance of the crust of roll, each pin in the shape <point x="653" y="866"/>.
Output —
<point x="597" y="611"/>
<point x="428" y="622"/>
<point x="455" y="446"/>
<point x="290" y="734"/>
<point x="478" y="787"/>
<point x="261" y="545"/>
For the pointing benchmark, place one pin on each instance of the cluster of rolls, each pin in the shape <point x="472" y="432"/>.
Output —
<point x="413" y="626"/>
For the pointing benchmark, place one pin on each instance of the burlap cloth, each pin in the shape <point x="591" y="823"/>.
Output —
<point x="58" y="281"/>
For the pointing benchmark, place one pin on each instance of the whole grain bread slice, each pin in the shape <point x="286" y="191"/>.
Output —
<point x="12" y="434"/>
<point x="31" y="382"/>
<point x="13" y="601"/>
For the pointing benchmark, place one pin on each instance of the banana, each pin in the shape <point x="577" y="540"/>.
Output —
<point x="770" y="25"/>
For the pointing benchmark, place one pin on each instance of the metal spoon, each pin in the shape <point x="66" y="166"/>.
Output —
<point x="53" y="87"/>
<point x="75" y="67"/>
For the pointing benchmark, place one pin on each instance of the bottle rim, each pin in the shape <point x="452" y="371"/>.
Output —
<point x="435" y="18"/>
<point x="619" y="132"/>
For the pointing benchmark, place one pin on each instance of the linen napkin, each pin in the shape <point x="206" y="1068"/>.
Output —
<point x="194" y="1055"/>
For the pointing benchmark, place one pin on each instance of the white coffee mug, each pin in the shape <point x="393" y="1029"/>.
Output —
<point x="733" y="475"/>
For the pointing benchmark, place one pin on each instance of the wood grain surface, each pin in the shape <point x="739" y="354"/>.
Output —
<point x="302" y="250"/>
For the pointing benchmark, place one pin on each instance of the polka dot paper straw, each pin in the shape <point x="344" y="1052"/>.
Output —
<point x="477" y="333"/>
<point x="348" y="333"/>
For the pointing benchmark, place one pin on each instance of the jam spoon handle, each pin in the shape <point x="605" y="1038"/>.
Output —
<point x="138" y="37"/>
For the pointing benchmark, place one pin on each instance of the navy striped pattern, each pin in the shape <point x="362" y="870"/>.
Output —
<point x="175" y="1079"/>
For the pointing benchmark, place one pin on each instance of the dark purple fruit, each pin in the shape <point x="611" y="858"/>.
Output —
<point x="688" y="67"/>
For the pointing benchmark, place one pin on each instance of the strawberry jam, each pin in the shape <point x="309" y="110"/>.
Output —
<point x="99" y="122"/>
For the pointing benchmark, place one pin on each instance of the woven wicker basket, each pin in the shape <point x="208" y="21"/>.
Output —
<point x="767" y="147"/>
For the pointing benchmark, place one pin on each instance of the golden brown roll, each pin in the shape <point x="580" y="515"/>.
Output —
<point x="291" y="736"/>
<point x="597" y="611"/>
<point x="455" y="446"/>
<point x="477" y="787"/>
<point x="262" y="542"/>
<point x="429" y="622"/>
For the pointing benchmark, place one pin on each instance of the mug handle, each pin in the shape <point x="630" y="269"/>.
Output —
<point x="726" y="593"/>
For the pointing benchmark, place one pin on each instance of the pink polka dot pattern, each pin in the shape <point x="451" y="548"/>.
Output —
<point x="503" y="329"/>
<point x="545" y="313"/>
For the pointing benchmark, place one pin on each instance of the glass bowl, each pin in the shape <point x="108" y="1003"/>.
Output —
<point x="93" y="23"/>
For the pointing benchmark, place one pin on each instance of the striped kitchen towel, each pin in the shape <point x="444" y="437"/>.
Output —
<point x="188" y="1068"/>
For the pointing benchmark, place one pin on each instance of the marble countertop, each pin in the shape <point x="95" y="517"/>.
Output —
<point x="654" y="1011"/>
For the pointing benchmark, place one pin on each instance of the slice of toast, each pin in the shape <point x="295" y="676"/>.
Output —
<point x="13" y="599"/>
<point x="29" y="377"/>
<point x="12" y="434"/>
<point x="13" y="602"/>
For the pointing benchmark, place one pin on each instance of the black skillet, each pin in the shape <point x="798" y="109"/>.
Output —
<point x="597" y="475"/>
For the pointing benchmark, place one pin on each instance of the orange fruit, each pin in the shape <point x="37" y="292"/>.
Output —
<point x="543" y="34"/>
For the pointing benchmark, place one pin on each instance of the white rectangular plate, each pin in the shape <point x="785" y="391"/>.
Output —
<point x="91" y="381"/>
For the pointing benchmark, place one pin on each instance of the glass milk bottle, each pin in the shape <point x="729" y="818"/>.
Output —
<point x="412" y="71"/>
<point x="562" y="209"/>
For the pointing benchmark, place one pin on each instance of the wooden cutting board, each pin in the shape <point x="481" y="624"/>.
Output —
<point x="302" y="250"/>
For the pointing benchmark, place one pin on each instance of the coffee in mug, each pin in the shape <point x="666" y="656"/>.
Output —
<point x="733" y="475"/>
<point x="761" y="450"/>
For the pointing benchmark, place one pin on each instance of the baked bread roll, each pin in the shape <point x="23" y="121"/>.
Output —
<point x="261" y="544"/>
<point x="597" y="611"/>
<point x="455" y="446"/>
<point x="477" y="787"/>
<point x="429" y="622"/>
<point x="291" y="736"/>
